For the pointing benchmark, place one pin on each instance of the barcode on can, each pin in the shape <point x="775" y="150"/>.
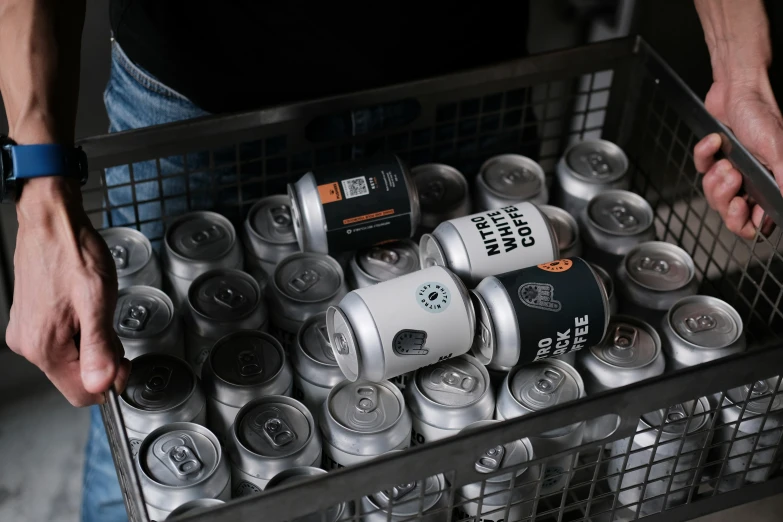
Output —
<point x="355" y="187"/>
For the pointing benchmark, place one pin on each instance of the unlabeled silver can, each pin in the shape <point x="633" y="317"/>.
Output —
<point x="178" y="463"/>
<point x="491" y="242"/>
<point x="341" y="511"/>
<point x="447" y="396"/>
<point x="362" y="420"/>
<point x="303" y="285"/>
<point x="242" y="366"/>
<point x="425" y="500"/>
<point x="383" y="262"/>
<point x="269" y="435"/>
<point x="133" y="256"/>
<point x="508" y="179"/>
<point x="195" y="506"/>
<point x="700" y="328"/>
<point x="536" y="387"/>
<point x="146" y="322"/>
<point x="220" y="302"/>
<point x="268" y="236"/>
<point x="443" y="194"/>
<point x="392" y="328"/>
<point x="609" y="286"/>
<point x="566" y="230"/>
<point x="161" y="389"/>
<point x="588" y="168"/>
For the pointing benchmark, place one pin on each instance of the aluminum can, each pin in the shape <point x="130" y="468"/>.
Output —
<point x="269" y="435"/>
<point x="391" y="328"/>
<point x="701" y="328"/>
<point x="242" y="366"/>
<point x="539" y="312"/>
<point x="195" y="506"/>
<point x="608" y="282"/>
<point x="220" y="302"/>
<point x="443" y="193"/>
<point x="498" y="493"/>
<point x="146" y="322"/>
<point x="566" y="231"/>
<point x="588" y="168"/>
<point x="341" y="511"/>
<point x="362" y="420"/>
<point x="536" y="387"/>
<point x="491" y="243"/>
<point x="447" y="396"/>
<point x="178" y="463"/>
<point x="161" y="389"/>
<point x="508" y="179"/>
<point x="133" y="256"/>
<point x="652" y="277"/>
<point x="614" y="222"/>
<point x="383" y="262"/>
<point x="303" y="285"/>
<point x="268" y="236"/>
<point x="315" y="367"/>
<point x="683" y="435"/>
<point x="425" y="500"/>
<point x="195" y="243"/>
<point x="347" y="207"/>
<point x="402" y="381"/>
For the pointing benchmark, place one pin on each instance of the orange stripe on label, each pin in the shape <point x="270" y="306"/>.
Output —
<point x="365" y="217"/>
<point x="330" y="192"/>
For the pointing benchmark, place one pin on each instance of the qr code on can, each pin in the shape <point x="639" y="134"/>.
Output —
<point x="355" y="187"/>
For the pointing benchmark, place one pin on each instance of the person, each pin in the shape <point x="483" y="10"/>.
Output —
<point x="178" y="60"/>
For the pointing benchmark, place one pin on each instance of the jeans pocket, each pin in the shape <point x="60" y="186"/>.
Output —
<point x="143" y="77"/>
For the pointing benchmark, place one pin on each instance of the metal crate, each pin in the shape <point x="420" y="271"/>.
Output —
<point x="618" y="90"/>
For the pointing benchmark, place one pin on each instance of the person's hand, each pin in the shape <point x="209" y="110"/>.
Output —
<point x="65" y="285"/>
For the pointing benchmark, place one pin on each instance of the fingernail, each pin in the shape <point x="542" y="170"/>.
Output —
<point x="96" y="378"/>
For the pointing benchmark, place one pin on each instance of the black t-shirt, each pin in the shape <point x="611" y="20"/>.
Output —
<point x="236" y="55"/>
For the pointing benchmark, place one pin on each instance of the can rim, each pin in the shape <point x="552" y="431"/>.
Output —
<point x="533" y="165"/>
<point x="730" y="310"/>
<point x="239" y="333"/>
<point x="354" y="356"/>
<point x="158" y="293"/>
<point x="197" y="214"/>
<point x="604" y="293"/>
<point x="233" y="271"/>
<point x="636" y="322"/>
<point x="385" y="384"/>
<point x="648" y="211"/>
<point x="420" y="498"/>
<point x="678" y="251"/>
<point x="447" y="170"/>
<point x="251" y="230"/>
<point x="482" y="370"/>
<point x="605" y="143"/>
<point x="193" y="388"/>
<point x="413" y="195"/>
<point x="355" y="265"/>
<point x="300" y="333"/>
<point x="568" y="218"/>
<point x="479" y="348"/>
<point x="136" y="235"/>
<point x="429" y="248"/>
<point x="301" y="255"/>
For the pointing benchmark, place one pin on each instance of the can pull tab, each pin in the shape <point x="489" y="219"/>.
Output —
<point x="135" y="317"/>
<point x="179" y="455"/>
<point x="304" y="280"/>
<point x="399" y="491"/>
<point x="699" y="323"/>
<point x="676" y="414"/>
<point x="273" y="427"/>
<point x="280" y="216"/>
<point x="433" y="192"/>
<point x="342" y="344"/>
<point x="625" y="337"/>
<point x="491" y="459"/>
<point x="759" y="388"/>
<point x="549" y="380"/>
<point x="623" y="216"/>
<point x="248" y="363"/>
<point x="157" y="381"/>
<point x="648" y="264"/>
<point x="366" y="399"/>
<point x="120" y="255"/>
<point x="452" y="380"/>
<point x="598" y="166"/>
<point x="207" y="235"/>
<point x="323" y="341"/>
<point x="227" y="296"/>
<point x="385" y="256"/>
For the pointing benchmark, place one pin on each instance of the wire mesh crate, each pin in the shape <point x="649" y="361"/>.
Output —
<point x="684" y="444"/>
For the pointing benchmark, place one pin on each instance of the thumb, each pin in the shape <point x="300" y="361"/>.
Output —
<point x="97" y="354"/>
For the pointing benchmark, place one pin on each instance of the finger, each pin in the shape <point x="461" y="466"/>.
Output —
<point x="704" y="152"/>
<point x="121" y="380"/>
<point x="761" y="221"/>
<point x="99" y="354"/>
<point x="721" y="184"/>
<point x="737" y="218"/>
<point x="66" y="376"/>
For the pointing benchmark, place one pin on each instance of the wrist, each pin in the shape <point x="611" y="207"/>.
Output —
<point x="43" y="197"/>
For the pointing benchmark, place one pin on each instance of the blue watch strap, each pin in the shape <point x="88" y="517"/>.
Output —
<point x="35" y="161"/>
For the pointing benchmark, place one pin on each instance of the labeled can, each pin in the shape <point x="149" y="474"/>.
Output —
<point x="700" y="328"/>
<point x="426" y="500"/>
<point x="242" y="366"/>
<point x="380" y="263"/>
<point x="536" y="387"/>
<point x="539" y="312"/>
<point x="220" y="302"/>
<point x="490" y="243"/>
<point x="447" y="396"/>
<point x="566" y="231"/>
<point x="303" y="285"/>
<point x="161" y="389"/>
<point x="608" y="282"/>
<point x="195" y="506"/>
<point x="588" y="168"/>
<point x="269" y="435"/>
<point x="146" y="322"/>
<point x="392" y="328"/>
<point x="341" y="511"/>
<point x="195" y="243"/>
<point x="268" y="235"/>
<point x="670" y="445"/>
<point x="362" y="420"/>
<point x="178" y="463"/>
<point x="133" y="257"/>
<point x="508" y="179"/>
<point x="347" y="207"/>
<point x="443" y="193"/>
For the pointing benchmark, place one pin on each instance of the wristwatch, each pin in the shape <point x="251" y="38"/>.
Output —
<point x="22" y="162"/>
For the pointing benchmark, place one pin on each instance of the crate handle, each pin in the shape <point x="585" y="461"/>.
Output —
<point x="382" y="118"/>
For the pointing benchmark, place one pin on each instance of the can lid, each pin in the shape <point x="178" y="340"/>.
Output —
<point x="314" y="339"/>
<point x="246" y="358"/>
<point x="705" y="321"/>
<point x="180" y="458"/>
<point x="430" y="252"/>
<point x="271" y="219"/>
<point x="564" y="225"/>
<point x="597" y="161"/>
<point x="274" y="429"/>
<point x="674" y="420"/>
<point x="224" y="295"/>
<point x="606" y="279"/>
<point x="201" y="236"/>
<point x="142" y="312"/>
<point x="513" y="177"/>
<point x="344" y="345"/>
<point x="454" y="383"/>
<point x="129" y="248"/>
<point x="406" y="499"/>
<point x="620" y="213"/>
<point x="659" y="266"/>
<point x="544" y="384"/>
<point x="441" y="188"/>
<point x="158" y="382"/>
<point x="629" y="343"/>
<point x="389" y="260"/>
<point x="366" y="407"/>
<point x="484" y="341"/>
<point x="507" y="455"/>
<point x="759" y="397"/>
<point x="308" y="277"/>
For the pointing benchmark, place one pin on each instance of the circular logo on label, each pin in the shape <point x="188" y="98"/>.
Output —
<point x="561" y="265"/>
<point x="245" y="488"/>
<point x="552" y="476"/>
<point x="433" y="297"/>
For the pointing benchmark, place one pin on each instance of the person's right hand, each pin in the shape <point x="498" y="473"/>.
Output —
<point x="65" y="285"/>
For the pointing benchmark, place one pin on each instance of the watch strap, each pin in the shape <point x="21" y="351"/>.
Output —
<point x="35" y="161"/>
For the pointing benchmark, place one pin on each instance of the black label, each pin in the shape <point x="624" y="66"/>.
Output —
<point x="245" y="488"/>
<point x="298" y="393"/>
<point x="330" y="463"/>
<point x="417" y="438"/>
<point x="560" y="308"/>
<point x="364" y="204"/>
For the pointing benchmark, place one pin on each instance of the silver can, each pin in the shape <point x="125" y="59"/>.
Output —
<point x="670" y="445"/>
<point x="341" y="511"/>
<point x="402" y="381"/>
<point x="146" y="322"/>
<point x="362" y="420"/>
<point x="447" y="396"/>
<point x="178" y="463"/>
<point x="424" y="500"/>
<point x="392" y="328"/>
<point x="242" y="366"/>
<point x="303" y="285"/>
<point x="195" y="243"/>
<point x="700" y="328"/>
<point x="220" y="302"/>
<point x="443" y="193"/>
<point x="609" y="286"/>
<point x="383" y="262"/>
<point x="195" y="506"/>
<point x="566" y="230"/>
<point x="161" y="389"/>
<point x="507" y="179"/>
<point x="588" y="168"/>
<point x="269" y="435"/>
<point x="268" y="235"/>
<point x="536" y="387"/>
<point x="133" y="256"/>
<point x="491" y="243"/>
